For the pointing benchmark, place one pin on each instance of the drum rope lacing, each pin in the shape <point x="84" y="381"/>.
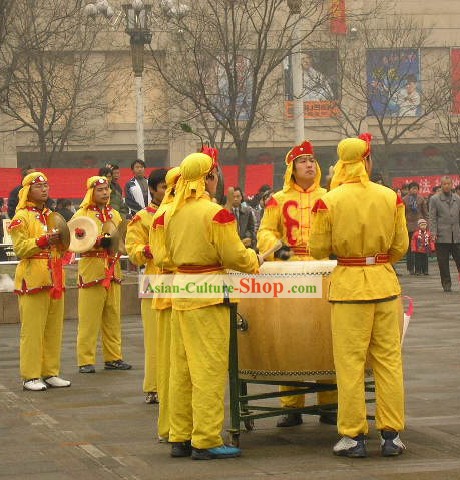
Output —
<point x="239" y="274"/>
<point x="277" y="373"/>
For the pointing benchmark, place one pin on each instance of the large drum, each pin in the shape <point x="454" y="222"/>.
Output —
<point x="287" y="339"/>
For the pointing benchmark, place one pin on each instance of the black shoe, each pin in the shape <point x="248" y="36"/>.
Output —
<point x="329" y="418"/>
<point x="391" y="444"/>
<point x="181" y="449"/>
<point x="86" y="369"/>
<point x="351" y="447"/>
<point x="447" y="289"/>
<point x="117" y="365"/>
<point x="290" y="420"/>
<point x="151" y="397"/>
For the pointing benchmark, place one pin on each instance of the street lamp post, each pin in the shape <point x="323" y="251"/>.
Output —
<point x="137" y="18"/>
<point x="297" y="80"/>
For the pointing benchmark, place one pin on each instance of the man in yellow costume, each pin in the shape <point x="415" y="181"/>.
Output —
<point x="363" y="224"/>
<point x="138" y="249"/>
<point x="201" y="237"/>
<point x="287" y="218"/>
<point x="39" y="285"/>
<point x="163" y="305"/>
<point x="99" y="279"/>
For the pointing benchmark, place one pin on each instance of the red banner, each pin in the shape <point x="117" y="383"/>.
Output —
<point x="71" y="182"/>
<point x="426" y="183"/>
<point x="64" y="182"/>
<point x="258" y="175"/>
<point x="338" y="17"/>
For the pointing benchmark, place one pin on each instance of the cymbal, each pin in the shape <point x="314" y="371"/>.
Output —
<point x="118" y="238"/>
<point x="220" y="189"/>
<point x="55" y="221"/>
<point x="83" y="234"/>
<point x="108" y="227"/>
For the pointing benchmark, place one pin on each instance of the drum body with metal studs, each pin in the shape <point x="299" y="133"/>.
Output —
<point x="287" y="338"/>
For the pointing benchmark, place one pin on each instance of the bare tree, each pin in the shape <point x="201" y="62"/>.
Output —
<point x="56" y="84"/>
<point x="226" y="60"/>
<point x="5" y="13"/>
<point x="380" y="83"/>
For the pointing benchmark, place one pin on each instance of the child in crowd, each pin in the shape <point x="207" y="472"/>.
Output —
<point x="422" y="245"/>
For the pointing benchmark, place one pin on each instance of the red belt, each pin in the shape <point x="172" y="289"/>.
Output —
<point x="377" y="259"/>
<point x="300" y="250"/>
<point x="199" y="268"/>
<point x="94" y="254"/>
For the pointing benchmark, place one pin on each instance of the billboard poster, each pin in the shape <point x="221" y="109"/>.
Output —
<point x="455" y="63"/>
<point x="393" y="78"/>
<point x="319" y="84"/>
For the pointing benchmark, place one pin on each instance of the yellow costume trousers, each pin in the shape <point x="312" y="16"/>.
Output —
<point x="149" y="322"/>
<point x="199" y="372"/>
<point x="359" y="330"/>
<point x="163" y="346"/>
<point x="41" y="335"/>
<point x="298" y="401"/>
<point x="99" y="310"/>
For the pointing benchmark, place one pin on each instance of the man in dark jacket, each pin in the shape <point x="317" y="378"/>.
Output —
<point x="116" y="195"/>
<point x="445" y="228"/>
<point x="136" y="190"/>
<point x="244" y="218"/>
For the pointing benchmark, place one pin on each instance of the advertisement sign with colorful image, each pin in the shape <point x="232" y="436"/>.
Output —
<point x="243" y="86"/>
<point x="319" y="84"/>
<point x="393" y="78"/>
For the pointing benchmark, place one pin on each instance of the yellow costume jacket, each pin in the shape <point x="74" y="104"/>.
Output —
<point x="137" y="239"/>
<point x="287" y="217"/>
<point x="97" y="264"/>
<point x="157" y="241"/>
<point x="377" y="226"/>
<point x="203" y="234"/>
<point x="33" y="273"/>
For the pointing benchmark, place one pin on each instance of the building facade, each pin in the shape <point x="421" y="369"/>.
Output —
<point x="397" y="103"/>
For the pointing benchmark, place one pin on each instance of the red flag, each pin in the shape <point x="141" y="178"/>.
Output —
<point x="338" y="17"/>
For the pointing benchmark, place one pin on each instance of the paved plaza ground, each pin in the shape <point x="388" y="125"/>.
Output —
<point x="101" y="429"/>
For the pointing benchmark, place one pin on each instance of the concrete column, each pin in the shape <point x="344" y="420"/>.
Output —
<point x="180" y="147"/>
<point x="139" y="116"/>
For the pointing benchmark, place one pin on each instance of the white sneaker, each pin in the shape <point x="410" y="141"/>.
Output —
<point x="57" y="382"/>
<point x="351" y="447"/>
<point x="34" y="385"/>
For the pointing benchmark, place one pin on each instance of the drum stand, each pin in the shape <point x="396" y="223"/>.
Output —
<point x="241" y="411"/>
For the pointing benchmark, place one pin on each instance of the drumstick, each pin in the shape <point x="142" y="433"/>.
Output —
<point x="274" y="249"/>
